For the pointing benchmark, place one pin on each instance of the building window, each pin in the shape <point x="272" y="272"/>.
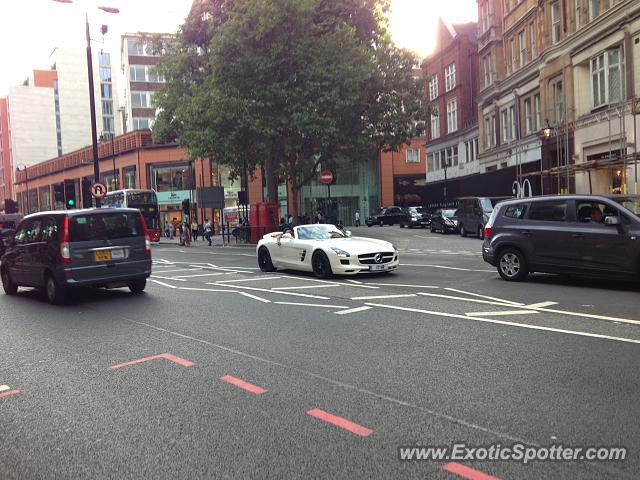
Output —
<point x="528" y="116"/>
<point x="506" y="133"/>
<point x="140" y="123"/>
<point x="139" y="99"/>
<point x="594" y="9"/>
<point x="450" y="77"/>
<point x="607" y="77"/>
<point x="523" y="48"/>
<point x="166" y="179"/>
<point x="430" y="165"/>
<point x="537" y="112"/>
<point x="452" y="115"/>
<point x="488" y="74"/>
<point x="490" y="131"/>
<point x="107" y="124"/>
<point x="129" y="174"/>
<point x="557" y="97"/>
<point x="578" y="2"/>
<point x="433" y="88"/>
<point x="484" y="17"/>
<point x="155" y="76"/>
<point x="105" y="90"/>
<point x="512" y="122"/>
<point x="137" y="73"/>
<point x="105" y="74"/>
<point x="134" y="47"/>
<point x="435" y="123"/>
<point x="555" y="22"/>
<point x="413" y="155"/>
<point x="534" y="45"/>
<point x="107" y="107"/>
<point x="452" y="156"/>
<point x="512" y="49"/>
<point x="104" y="59"/>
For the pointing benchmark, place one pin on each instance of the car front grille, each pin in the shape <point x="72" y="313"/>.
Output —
<point x="370" y="258"/>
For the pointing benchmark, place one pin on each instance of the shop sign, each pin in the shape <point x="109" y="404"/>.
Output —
<point x="174" y="196"/>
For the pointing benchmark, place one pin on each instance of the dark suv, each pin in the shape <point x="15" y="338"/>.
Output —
<point x="387" y="216"/>
<point x="575" y="234"/>
<point x="57" y="251"/>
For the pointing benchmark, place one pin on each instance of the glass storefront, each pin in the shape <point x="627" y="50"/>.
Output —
<point x="173" y="183"/>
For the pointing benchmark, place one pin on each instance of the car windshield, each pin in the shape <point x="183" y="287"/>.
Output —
<point x="448" y="213"/>
<point x="487" y="204"/>
<point x="319" y="232"/>
<point x="104" y="226"/>
<point x="630" y="203"/>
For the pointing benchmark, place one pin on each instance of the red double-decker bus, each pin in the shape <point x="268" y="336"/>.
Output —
<point x="144" y="200"/>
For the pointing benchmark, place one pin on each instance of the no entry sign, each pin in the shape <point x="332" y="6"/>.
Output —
<point x="326" y="177"/>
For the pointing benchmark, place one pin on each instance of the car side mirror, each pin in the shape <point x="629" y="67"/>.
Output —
<point x="612" y="221"/>
<point x="348" y="233"/>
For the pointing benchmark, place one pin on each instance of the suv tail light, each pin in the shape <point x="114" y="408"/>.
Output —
<point x="487" y="231"/>
<point x="147" y="240"/>
<point x="65" y="252"/>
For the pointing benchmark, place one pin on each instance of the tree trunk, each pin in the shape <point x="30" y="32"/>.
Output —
<point x="271" y="179"/>
<point x="294" y="186"/>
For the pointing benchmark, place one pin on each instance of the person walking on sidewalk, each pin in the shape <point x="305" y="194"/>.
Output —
<point x="207" y="230"/>
<point x="357" y="218"/>
<point x="172" y="230"/>
<point x="194" y="230"/>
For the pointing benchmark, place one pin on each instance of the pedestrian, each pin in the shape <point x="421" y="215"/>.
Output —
<point x="207" y="230"/>
<point x="194" y="230"/>
<point x="186" y="235"/>
<point x="289" y="219"/>
<point x="172" y="230"/>
<point x="166" y="228"/>
<point x="357" y="218"/>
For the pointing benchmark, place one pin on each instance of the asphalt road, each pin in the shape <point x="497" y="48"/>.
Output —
<point x="252" y="375"/>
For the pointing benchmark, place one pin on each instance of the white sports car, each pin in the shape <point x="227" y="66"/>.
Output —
<point x="325" y="250"/>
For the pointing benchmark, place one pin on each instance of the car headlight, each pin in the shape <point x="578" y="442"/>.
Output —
<point x="340" y="252"/>
<point x="414" y="219"/>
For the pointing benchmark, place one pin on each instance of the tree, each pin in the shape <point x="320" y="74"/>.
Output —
<point x="288" y="84"/>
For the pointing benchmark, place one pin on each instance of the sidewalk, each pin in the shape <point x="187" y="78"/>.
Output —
<point x="216" y="241"/>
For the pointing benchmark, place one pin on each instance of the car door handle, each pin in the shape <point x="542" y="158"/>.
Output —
<point x="577" y="235"/>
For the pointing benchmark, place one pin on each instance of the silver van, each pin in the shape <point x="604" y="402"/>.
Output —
<point x="57" y="251"/>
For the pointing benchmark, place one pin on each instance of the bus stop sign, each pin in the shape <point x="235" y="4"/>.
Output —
<point x="98" y="190"/>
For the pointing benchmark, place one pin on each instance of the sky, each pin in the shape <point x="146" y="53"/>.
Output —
<point x="31" y="29"/>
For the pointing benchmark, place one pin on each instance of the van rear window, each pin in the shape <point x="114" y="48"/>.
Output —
<point x="515" y="211"/>
<point x="104" y="226"/>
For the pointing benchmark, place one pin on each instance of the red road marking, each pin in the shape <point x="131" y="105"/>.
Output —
<point x="10" y="392"/>
<point x="166" y="356"/>
<point x="340" y="422"/>
<point x="242" y="384"/>
<point x="467" y="472"/>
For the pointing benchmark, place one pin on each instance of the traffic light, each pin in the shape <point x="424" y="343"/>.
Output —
<point x="70" y="194"/>
<point x="87" y="198"/>
<point x="186" y="204"/>
<point x="10" y="206"/>
<point x="58" y="192"/>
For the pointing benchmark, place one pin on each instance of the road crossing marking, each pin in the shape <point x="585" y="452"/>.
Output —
<point x="168" y="278"/>
<point x="274" y="291"/>
<point x="303" y="287"/>
<point x="445" y="267"/>
<point x="166" y="356"/>
<point x="375" y="297"/>
<point x="311" y="305"/>
<point x="467" y="472"/>
<point x="200" y="275"/>
<point x="497" y="314"/>
<point x="541" y="305"/>
<point x="255" y="297"/>
<point x="255" y="279"/>
<point x="340" y="422"/>
<point x="352" y="310"/>
<point x="249" y="387"/>
<point x="485" y="296"/>
<point x="163" y="284"/>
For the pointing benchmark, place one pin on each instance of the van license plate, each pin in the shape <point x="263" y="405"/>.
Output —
<point x="102" y="255"/>
<point x="377" y="268"/>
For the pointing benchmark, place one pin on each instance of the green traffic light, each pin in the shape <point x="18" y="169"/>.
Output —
<point x="71" y="203"/>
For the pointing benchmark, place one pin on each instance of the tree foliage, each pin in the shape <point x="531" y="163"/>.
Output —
<point x="287" y="84"/>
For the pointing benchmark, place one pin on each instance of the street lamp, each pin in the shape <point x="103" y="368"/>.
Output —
<point x="92" y="100"/>
<point x="26" y="180"/>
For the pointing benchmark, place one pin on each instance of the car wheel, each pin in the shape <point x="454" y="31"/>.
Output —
<point x="369" y="225"/>
<point x="512" y="265"/>
<point x="321" y="265"/>
<point x="480" y="232"/>
<point x="402" y="225"/>
<point x="9" y="287"/>
<point x="138" y="286"/>
<point x="54" y="293"/>
<point x="264" y="260"/>
<point x="463" y="231"/>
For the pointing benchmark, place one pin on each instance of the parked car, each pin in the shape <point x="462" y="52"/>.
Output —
<point x="58" y="251"/>
<point x="444" y="220"/>
<point x="416" y="217"/>
<point x="473" y="214"/>
<point x="325" y="250"/>
<point x="386" y="216"/>
<point x="8" y="223"/>
<point x="576" y="234"/>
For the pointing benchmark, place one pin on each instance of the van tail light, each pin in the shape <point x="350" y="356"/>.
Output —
<point x="65" y="252"/>
<point x="487" y="231"/>
<point x="147" y="240"/>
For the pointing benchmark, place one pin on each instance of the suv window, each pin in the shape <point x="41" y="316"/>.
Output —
<point x="555" y="211"/>
<point x="515" y="211"/>
<point x="595" y="212"/>
<point x="104" y="226"/>
<point x="21" y="234"/>
<point x="49" y="229"/>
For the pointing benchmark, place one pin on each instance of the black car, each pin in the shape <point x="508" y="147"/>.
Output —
<point x="416" y="217"/>
<point x="574" y="234"/>
<point x="387" y="216"/>
<point x="444" y="220"/>
<point x="58" y="251"/>
<point x="473" y="214"/>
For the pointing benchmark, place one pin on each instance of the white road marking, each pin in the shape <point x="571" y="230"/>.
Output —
<point x="201" y="275"/>
<point x="255" y="297"/>
<point x="268" y="290"/>
<point x="168" y="278"/>
<point x="181" y="270"/>
<point x="302" y="287"/>
<point x="541" y="305"/>
<point x="484" y="296"/>
<point x="448" y="268"/>
<point x="255" y="279"/>
<point x="354" y="281"/>
<point x="498" y="314"/>
<point x="353" y="310"/>
<point x="163" y="284"/>
<point x="207" y="289"/>
<point x="374" y="297"/>
<point x="4" y="388"/>
<point x="355" y="285"/>
<point x="311" y="305"/>
<point x="474" y="300"/>
<point x="402" y="285"/>
<point x="512" y="324"/>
